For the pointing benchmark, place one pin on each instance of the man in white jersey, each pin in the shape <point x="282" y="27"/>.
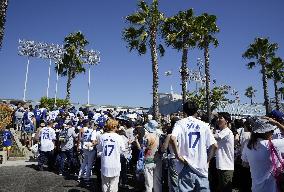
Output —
<point x="225" y="152"/>
<point x="111" y="145"/>
<point x="194" y="140"/>
<point x="47" y="137"/>
<point x="87" y="137"/>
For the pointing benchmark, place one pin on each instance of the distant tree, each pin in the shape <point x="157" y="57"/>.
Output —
<point x="217" y="95"/>
<point x="3" y="11"/>
<point x="250" y="93"/>
<point x="179" y="32"/>
<point x="275" y="71"/>
<point x="261" y="50"/>
<point x="206" y="29"/>
<point x="143" y="32"/>
<point x="72" y="64"/>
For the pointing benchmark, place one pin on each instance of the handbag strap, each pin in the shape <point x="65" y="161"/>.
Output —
<point x="274" y="153"/>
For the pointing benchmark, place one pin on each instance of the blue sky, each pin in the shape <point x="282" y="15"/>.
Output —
<point x="124" y="78"/>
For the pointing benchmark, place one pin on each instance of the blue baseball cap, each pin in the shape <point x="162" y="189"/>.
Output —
<point x="278" y="115"/>
<point x="151" y="126"/>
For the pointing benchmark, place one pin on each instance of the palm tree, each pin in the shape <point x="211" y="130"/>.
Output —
<point x="72" y="64"/>
<point x="206" y="29"/>
<point x="143" y="32"/>
<point x="261" y="50"/>
<point x="3" y="11"/>
<point x="178" y="32"/>
<point x="281" y="91"/>
<point x="275" y="71"/>
<point x="250" y="93"/>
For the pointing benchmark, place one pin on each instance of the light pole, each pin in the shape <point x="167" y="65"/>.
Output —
<point x="53" y="52"/>
<point x="28" y="49"/>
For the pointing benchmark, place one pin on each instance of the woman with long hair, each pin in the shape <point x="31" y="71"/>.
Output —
<point x="257" y="154"/>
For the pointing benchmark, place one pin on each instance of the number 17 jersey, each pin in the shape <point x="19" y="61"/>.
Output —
<point x="111" y="145"/>
<point x="194" y="138"/>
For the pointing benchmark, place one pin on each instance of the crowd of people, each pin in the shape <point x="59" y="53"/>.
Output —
<point x="182" y="153"/>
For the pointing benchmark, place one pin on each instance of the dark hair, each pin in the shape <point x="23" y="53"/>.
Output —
<point x="226" y="116"/>
<point x="254" y="136"/>
<point x="190" y="108"/>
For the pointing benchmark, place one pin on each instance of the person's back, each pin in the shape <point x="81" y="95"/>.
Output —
<point x="112" y="145"/>
<point x="47" y="136"/>
<point x="196" y="146"/>
<point x="194" y="137"/>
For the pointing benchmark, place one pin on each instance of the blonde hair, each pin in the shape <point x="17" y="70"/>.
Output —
<point x="111" y="124"/>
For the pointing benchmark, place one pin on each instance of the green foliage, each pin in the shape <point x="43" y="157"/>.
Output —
<point x="49" y="103"/>
<point x="179" y="31"/>
<point x="146" y="21"/>
<point x="275" y="69"/>
<point x="217" y="94"/>
<point x="261" y="50"/>
<point x="72" y="63"/>
<point x="5" y="116"/>
<point x="206" y="28"/>
<point x="250" y="92"/>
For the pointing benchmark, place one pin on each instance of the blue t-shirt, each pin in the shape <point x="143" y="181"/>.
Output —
<point x="37" y="114"/>
<point x="7" y="138"/>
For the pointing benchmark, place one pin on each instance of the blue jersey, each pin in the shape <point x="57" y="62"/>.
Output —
<point x="7" y="138"/>
<point x="37" y="114"/>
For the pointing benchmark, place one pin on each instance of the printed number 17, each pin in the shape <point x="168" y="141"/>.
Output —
<point x="106" y="149"/>
<point x="190" y="135"/>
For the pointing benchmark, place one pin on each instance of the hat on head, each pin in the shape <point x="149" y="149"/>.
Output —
<point x="70" y="123"/>
<point x="151" y="126"/>
<point x="278" y="115"/>
<point x="261" y="125"/>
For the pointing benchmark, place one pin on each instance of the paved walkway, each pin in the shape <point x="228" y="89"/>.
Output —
<point x="23" y="176"/>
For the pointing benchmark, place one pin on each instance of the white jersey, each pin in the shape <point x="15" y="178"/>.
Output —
<point x="225" y="151"/>
<point x="87" y="137"/>
<point x="30" y="115"/>
<point x="53" y="114"/>
<point x="111" y="145"/>
<point x="194" y="138"/>
<point x="47" y="135"/>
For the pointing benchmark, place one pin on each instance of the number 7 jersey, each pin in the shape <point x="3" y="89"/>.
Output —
<point x="194" y="138"/>
<point x="111" y="145"/>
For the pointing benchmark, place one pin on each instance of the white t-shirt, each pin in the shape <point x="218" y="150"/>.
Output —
<point x="194" y="138"/>
<point x="261" y="166"/>
<point x="47" y="135"/>
<point x="111" y="145"/>
<point x="129" y="134"/>
<point x="225" y="151"/>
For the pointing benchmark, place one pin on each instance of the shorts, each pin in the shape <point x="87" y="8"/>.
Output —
<point x="7" y="148"/>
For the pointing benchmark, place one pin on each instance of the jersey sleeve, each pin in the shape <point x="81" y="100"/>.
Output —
<point x="210" y="138"/>
<point x="177" y="129"/>
<point x="122" y="144"/>
<point x="279" y="144"/>
<point x="94" y="135"/>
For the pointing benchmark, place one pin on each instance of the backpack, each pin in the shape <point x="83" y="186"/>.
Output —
<point x="63" y="136"/>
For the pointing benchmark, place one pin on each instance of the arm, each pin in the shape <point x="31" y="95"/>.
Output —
<point x="166" y="143"/>
<point x="211" y="152"/>
<point x="276" y="123"/>
<point x="175" y="148"/>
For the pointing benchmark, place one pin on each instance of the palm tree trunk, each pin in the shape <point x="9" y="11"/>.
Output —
<point x="155" y="70"/>
<point x="251" y="100"/>
<point x="3" y="11"/>
<point x="265" y="87"/>
<point x="276" y="94"/>
<point x="207" y="75"/>
<point x="184" y="73"/>
<point x="68" y="87"/>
